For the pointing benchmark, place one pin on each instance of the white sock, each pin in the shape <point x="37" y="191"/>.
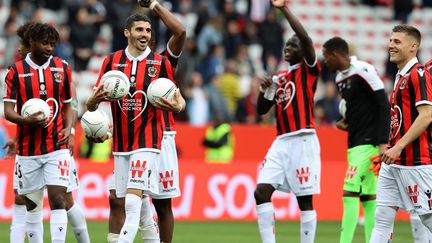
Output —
<point x="419" y="232"/>
<point x="308" y="221"/>
<point x="58" y="225"/>
<point x="18" y="225"/>
<point x="266" y="222"/>
<point x="148" y="227"/>
<point x="34" y="227"/>
<point x="112" y="238"/>
<point x="130" y="226"/>
<point x="384" y="218"/>
<point x="79" y="226"/>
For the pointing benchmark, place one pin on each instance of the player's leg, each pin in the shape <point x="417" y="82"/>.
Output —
<point x="369" y="205"/>
<point x="308" y="219"/>
<point x="419" y="232"/>
<point x="148" y="226"/>
<point x="31" y="184"/>
<point x="388" y="201"/>
<point x="116" y="217"/>
<point x="56" y="176"/>
<point x="17" y="228"/>
<point x="350" y="216"/>
<point x="74" y="212"/>
<point x="265" y="212"/>
<point x="165" y="218"/>
<point x="137" y="176"/>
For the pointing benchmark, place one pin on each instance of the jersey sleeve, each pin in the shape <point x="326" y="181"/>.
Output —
<point x="67" y="85"/>
<point x="314" y="68"/>
<point x="421" y="81"/>
<point x="11" y="86"/>
<point x="166" y="70"/>
<point x="369" y="73"/>
<point x="106" y="66"/>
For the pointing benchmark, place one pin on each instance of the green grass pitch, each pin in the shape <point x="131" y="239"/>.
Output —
<point x="231" y="232"/>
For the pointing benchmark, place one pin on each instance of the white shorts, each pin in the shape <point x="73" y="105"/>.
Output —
<point x="73" y="176"/>
<point x="134" y="171"/>
<point x="293" y="164"/>
<point x="167" y="175"/>
<point x="34" y="172"/>
<point x="406" y="187"/>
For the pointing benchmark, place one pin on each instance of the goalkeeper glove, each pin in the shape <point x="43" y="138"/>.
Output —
<point x="376" y="164"/>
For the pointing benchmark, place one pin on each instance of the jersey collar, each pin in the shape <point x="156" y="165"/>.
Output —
<point x="34" y="65"/>
<point x="138" y="58"/>
<point x="404" y="70"/>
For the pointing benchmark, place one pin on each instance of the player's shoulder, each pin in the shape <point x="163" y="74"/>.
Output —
<point x="418" y="70"/>
<point x="60" y="60"/>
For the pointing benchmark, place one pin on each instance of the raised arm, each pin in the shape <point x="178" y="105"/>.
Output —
<point x="305" y="41"/>
<point x="178" y="37"/>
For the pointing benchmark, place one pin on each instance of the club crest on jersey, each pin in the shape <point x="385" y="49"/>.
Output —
<point x="42" y="89"/>
<point x="403" y="84"/>
<point x="152" y="71"/>
<point x="58" y="77"/>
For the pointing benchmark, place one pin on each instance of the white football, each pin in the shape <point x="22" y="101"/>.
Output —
<point x="342" y="107"/>
<point x="95" y="123"/>
<point x="161" y="87"/>
<point x="116" y="83"/>
<point x="34" y="105"/>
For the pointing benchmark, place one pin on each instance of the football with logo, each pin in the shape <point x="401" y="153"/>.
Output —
<point x="342" y="107"/>
<point x="161" y="87"/>
<point x="116" y="83"/>
<point x="95" y="123"/>
<point x="35" y="105"/>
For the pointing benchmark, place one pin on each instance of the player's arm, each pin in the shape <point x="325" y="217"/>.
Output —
<point x="11" y="146"/>
<point x="178" y="37"/>
<point x="383" y="119"/>
<point x="342" y="124"/>
<point x="305" y="41"/>
<point x="177" y="104"/>
<point x="263" y="104"/>
<point x="74" y="107"/>
<point x="67" y="112"/>
<point x="420" y="124"/>
<point x="32" y="120"/>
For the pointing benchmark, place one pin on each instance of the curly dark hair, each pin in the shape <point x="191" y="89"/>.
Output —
<point x="43" y="32"/>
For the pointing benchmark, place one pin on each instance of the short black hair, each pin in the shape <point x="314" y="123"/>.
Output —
<point x="23" y="33"/>
<point x="42" y="32"/>
<point x="135" y="18"/>
<point x="337" y="44"/>
<point x="409" y="30"/>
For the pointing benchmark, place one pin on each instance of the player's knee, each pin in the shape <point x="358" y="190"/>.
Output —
<point x="163" y="207"/>
<point x="305" y="203"/>
<point x="384" y="217"/>
<point x="69" y="201"/>
<point x="19" y="199"/>
<point x="115" y="202"/>
<point x="34" y="201"/>
<point x="261" y="195"/>
<point x="57" y="201"/>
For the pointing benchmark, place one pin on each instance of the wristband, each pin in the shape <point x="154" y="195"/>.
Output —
<point x="153" y="4"/>
<point x="72" y="131"/>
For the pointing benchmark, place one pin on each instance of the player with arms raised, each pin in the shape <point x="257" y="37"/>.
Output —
<point x="293" y="161"/>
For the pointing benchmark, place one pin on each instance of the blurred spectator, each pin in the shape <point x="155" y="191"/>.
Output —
<point x="64" y="49"/>
<point x="12" y="40"/>
<point x="270" y="35"/>
<point x="212" y="64"/>
<point x="246" y="109"/>
<point x="118" y="11"/>
<point x="3" y="141"/>
<point x="229" y="86"/>
<point x="217" y="102"/>
<point x="84" y="30"/>
<point x="232" y="38"/>
<point x="197" y="101"/>
<point x="245" y="68"/>
<point x="328" y="106"/>
<point x="188" y="63"/>
<point x="210" y="35"/>
<point x="402" y="10"/>
<point x="219" y="141"/>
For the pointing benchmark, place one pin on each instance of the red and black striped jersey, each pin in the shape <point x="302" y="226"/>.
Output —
<point x="412" y="88"/>
<point x="428" y="66"/>
<point x="136" y="125"/>
<point x="168" y="122"/>
<point x="50" y="82"/>
<point x="294" y="98"/>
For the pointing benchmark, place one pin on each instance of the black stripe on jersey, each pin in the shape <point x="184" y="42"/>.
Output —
<point x="305" y="95"/>
<point x="165" y="116"/>
<point x="147" y="81"/>
<point x="402" y="130"/>
<point x="44" y="133"/>
<point x="108" y="66"/>
<point x="414" y="114"/>
<point x="18" y="100"/>
<point x="15" y="82"/>
<point x="429" y="139"/>
<point x="422" y="84"/>
<point x="29" y="94"/>
<point x="118" y="109"/>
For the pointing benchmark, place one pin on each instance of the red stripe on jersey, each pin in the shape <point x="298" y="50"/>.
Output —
<point x="411" y="88"/>
<point x="167" y="118"/>
<point x="24" y="84"/>
<point x="294" y="98"/>
<point x="136" y="124"/>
